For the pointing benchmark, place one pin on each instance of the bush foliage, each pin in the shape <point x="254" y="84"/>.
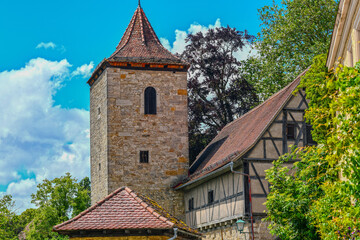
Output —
<point x="319" y="197"/>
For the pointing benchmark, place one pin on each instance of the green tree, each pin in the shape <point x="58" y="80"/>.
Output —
<point x="12" y="224"/>
<point x="319" y="198"/>
<point x="57" y="200"/>
<point x="292" y="34"/>
<point x="7" y="216"/>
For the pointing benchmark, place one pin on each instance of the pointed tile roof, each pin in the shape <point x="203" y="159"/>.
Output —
<point x="140" y="43"/>
<point x="140" y="48"/>
<point x="123" y="209"/>
<point x="239" y="136"/>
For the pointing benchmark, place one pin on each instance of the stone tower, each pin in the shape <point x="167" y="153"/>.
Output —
<point x="138" y="119"/>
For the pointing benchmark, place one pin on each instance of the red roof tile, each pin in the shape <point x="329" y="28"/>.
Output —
<point x="140" y="47"/>
<point x="242" y="134"/>
<point x="123" y="209"/>
<point x="140" y="43"/>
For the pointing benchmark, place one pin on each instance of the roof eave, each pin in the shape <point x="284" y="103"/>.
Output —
<point x="181" y="67"/>
<point x="223" y="169"/>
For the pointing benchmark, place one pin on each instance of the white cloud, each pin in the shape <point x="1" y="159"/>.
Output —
<point x="51" y="45"/>
<point x="179" y="44"/>
<point x="165" y="43"/>
<point x="84" y="70"/>
<point x="46" y="45"/>
<point x="35" y="135"/>
<point x="21" y="192"/>
<point x="247" y="51"/>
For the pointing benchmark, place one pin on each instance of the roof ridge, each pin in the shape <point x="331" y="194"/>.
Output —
<point x="156" y="37"/>
<point x="142" y="26"/>
<point x="149" y="24"/>
<point x="148" y="207"/>
<point x="91" y="208"/>
<point x="263" y="103"/>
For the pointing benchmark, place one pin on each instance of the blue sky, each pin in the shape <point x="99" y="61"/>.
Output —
<point x="47" y="51"/>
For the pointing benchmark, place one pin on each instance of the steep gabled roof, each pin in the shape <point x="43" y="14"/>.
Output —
<point x="239" y="136"/>
<point x="123" y="209"/>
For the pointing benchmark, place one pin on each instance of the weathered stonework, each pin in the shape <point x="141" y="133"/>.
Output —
<point x="123" y="130"/>
<point x="125" y="238"/>
<point x="230" y="232"/>
<point x="98" y="138"/>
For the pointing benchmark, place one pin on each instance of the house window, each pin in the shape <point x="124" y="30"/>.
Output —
<point x="290" y="131"/>
<point x="191" y="204"/>
<point x="144" y="156"/>
<point x="150" y="100"/>
<point x="211" y="196"/>
<point x="309" y="139"/>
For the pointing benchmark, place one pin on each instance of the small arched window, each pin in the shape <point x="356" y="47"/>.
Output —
<point x="150" y="100"/>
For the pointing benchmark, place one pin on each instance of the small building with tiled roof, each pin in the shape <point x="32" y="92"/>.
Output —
<point x="215" y="197"/>
<point x="125" y="214"/>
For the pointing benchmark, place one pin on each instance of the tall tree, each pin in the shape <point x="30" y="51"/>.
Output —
<point x="217" y="95"/>
<point x="292" y="34"/>
<point x="57" y="201"/>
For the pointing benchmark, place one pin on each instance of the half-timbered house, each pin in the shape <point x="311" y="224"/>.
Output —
<point x="215" y="197"/>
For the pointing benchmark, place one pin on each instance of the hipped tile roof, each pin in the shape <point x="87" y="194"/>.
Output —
<point x="123" y="209"/>
<point x="140" y="47"/>
<point x="140" y="43"/>
<point x="242" y="134"/>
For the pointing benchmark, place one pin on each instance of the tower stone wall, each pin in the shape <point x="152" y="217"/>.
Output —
<point x="99" y="138"/>
<point x="122" y="130"/>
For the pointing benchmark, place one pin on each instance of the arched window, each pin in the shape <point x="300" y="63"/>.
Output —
<point x="150" y="100"/>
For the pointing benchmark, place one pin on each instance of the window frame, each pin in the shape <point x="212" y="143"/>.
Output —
<point x="146" y="157"/>
<point x="191" y="204"/>
<point x="211" y="197"/>
<point x="150" y="101"/>
<point x="288" y="135"/>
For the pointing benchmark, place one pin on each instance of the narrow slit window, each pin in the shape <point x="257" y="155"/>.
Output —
<point x="290" y="131"/>
<point x="144" y="156"/>
<point x="211" y="196"/>
<point x="191" y="204"/>
<point x="150" y="101"/>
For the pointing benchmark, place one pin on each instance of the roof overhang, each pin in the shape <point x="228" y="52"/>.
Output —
<point x="128" y="232"/>
<point x="153" y="66"/>
<point x="224" y="169"/>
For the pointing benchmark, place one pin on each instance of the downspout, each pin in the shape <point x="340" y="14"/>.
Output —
<point x="175" y="234"/>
